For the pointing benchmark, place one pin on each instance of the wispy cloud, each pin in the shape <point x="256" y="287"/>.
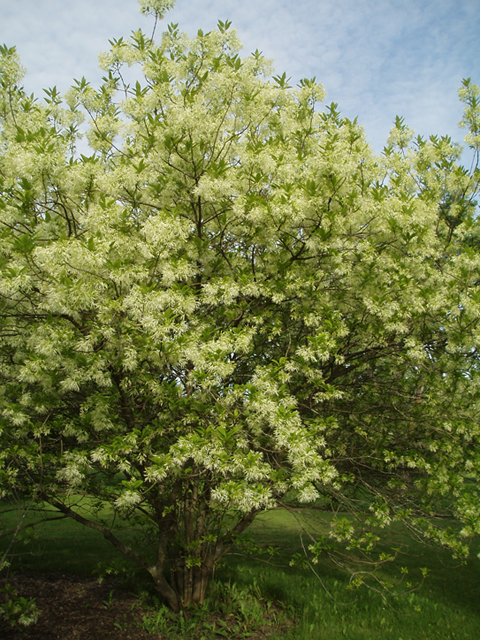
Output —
<point x="376" y="58"/>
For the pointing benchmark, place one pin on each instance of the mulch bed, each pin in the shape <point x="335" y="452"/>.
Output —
<point x="76" y="608"/>
<point x="79" y="608"/>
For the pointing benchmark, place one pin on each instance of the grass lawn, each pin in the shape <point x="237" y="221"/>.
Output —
<point x="447" y="607"/>
<point x="449" y="600"/>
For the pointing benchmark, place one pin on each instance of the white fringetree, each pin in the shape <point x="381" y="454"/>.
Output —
<point x="230" y="302"/>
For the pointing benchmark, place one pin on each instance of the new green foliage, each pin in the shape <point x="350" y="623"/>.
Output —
<point x="231" y="299"/>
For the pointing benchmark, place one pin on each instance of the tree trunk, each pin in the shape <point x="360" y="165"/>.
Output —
<point x="189" y="580"/>
<point x="190" y="583"/>
<point x="164" y="589"/>
<point x="188" y="546"/>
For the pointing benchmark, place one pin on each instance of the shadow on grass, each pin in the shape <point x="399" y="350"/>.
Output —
<point x="445" y="608"/>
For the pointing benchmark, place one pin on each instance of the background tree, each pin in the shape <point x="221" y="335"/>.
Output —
<point x="231" y="300"/>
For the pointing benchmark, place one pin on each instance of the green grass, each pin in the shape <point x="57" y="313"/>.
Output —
<point x="448" y="602"/>
<point x="60" y="546"/>
<point x="447" y="607"/>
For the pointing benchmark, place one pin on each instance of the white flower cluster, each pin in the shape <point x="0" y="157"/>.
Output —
<point x="75" y="467"/>
<point x="128" y="499"/>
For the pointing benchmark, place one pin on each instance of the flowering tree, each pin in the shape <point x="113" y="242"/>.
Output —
<point x="231" y="299"/>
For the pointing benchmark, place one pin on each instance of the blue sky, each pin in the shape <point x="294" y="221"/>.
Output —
<point x="376" y="58"/>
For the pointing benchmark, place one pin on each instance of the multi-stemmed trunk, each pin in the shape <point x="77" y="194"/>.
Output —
<point x="191" y="539"/>
<point x="186" y="583"/>
<point x="191" y="542"/>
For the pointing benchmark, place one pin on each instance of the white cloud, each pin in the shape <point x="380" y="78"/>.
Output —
<point x="376" y="58"/>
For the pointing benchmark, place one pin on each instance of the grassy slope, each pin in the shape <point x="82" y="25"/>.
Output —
<point x="449" y="601"/>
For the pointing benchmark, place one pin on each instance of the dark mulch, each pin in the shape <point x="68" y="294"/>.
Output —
<point x="76" y="608"/>
<point x="79" y="608"/>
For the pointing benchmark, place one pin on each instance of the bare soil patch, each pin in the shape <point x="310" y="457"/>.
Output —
<point x="80" y="608"/>
<point x="76" y="608"/>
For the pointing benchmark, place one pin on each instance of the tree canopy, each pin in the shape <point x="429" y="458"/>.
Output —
<point x="231" y="304"/>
